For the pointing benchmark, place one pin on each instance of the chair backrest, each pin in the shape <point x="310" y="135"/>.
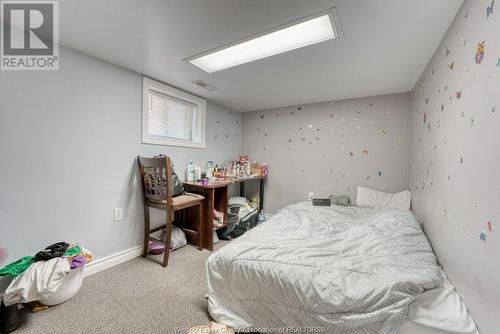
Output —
<point x="156" y="177"/>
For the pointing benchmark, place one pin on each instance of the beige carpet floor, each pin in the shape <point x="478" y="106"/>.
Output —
<point x="138" y="296"/>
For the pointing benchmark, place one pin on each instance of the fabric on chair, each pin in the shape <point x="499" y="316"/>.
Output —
<point x="185" y="199"/>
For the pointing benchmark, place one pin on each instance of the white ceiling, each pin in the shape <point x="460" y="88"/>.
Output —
<point x="385" y="46"/>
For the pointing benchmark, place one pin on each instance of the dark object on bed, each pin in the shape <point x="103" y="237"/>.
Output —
<point x="321" y="202"/>
<point x="340" y="200"/>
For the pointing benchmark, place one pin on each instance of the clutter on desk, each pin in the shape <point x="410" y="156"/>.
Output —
<point x="51" y="276"/>
<point x="241" y="168"/>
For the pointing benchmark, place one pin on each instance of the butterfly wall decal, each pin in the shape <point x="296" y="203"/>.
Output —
<point x="489" y="9"/>
<point x="480" y="52"/>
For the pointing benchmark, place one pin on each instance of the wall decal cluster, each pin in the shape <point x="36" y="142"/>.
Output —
<point x="334" y="145"/>
<point x="454" y="186"/>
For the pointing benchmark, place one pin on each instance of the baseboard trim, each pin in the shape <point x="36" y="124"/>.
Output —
<point x="112" y="260"/>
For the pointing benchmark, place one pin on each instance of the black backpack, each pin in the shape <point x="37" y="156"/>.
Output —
<point x="177" y="186"/>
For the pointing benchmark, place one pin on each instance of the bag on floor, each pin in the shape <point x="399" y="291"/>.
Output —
<point x="247" y="219"/>
<point x="177" y="240"/>
<point x="232" y="220"/>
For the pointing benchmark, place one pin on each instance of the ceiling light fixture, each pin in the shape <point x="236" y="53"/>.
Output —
<point x="290" y="36"/>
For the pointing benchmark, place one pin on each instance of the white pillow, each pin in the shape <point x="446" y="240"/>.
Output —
<point x="369" y="198"/>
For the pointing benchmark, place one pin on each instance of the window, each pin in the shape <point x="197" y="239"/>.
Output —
<point x="171" y="116"/>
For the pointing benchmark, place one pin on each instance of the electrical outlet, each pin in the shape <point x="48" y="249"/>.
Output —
<point x="118" y="214"/>
<point x="311" y="195"/>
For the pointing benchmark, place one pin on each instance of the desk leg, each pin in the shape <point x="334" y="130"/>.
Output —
<point x="261" y="195"/>
<point x="208" y="220"/>
<point x="242" y="189"/>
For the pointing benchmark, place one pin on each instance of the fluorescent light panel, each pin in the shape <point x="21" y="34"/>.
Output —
<point x="294" y="35"/>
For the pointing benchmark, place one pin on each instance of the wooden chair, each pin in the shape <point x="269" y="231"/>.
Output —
<point x="157" y="186"/>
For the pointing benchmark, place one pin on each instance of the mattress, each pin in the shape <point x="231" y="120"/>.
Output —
<point x="328" y="269"/>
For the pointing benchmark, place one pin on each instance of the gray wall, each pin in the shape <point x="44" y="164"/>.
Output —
<point x="455" y="157"/>
<point x="328" y="157"/>
<point x="68" y="140"/>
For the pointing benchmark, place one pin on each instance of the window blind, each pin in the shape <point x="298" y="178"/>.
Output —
<point x="170" y="117"/>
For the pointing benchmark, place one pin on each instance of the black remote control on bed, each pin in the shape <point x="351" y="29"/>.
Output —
<point x="322" y="202"/>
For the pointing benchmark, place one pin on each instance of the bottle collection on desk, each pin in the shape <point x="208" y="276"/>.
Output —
<point x="234" y="169"/>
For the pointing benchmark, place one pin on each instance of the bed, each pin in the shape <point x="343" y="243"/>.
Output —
<point x="332" y="270"/>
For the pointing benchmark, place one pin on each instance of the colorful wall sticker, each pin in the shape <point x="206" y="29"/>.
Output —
<point x="480" y="52"/>
<point x="483" y="236"/>
<point x="458" y="94"/>
<point x="489" y="9"/>
<point x="490" y="226"/>
<point x="451" y="65"/>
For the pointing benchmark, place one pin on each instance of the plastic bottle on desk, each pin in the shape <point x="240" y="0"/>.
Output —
<point x="210" y="170"/>
<point x="197" y="172"/>
<point x="190" y="171"/>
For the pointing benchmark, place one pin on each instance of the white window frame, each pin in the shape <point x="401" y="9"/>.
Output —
<point x="200" y="115"/>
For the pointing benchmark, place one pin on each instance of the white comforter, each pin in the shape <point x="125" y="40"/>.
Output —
<point x="322" y="269"/>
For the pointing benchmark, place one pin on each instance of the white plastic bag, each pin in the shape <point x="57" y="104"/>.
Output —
<point x="178" y="238"/>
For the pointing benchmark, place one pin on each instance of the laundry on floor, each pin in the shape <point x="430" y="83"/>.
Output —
<point x="47" y="278"/>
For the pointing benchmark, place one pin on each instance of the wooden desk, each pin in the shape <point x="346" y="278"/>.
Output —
<point x="216" y="197"/>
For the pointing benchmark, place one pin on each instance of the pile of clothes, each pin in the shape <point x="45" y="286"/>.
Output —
<point x="37" y="277"/>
